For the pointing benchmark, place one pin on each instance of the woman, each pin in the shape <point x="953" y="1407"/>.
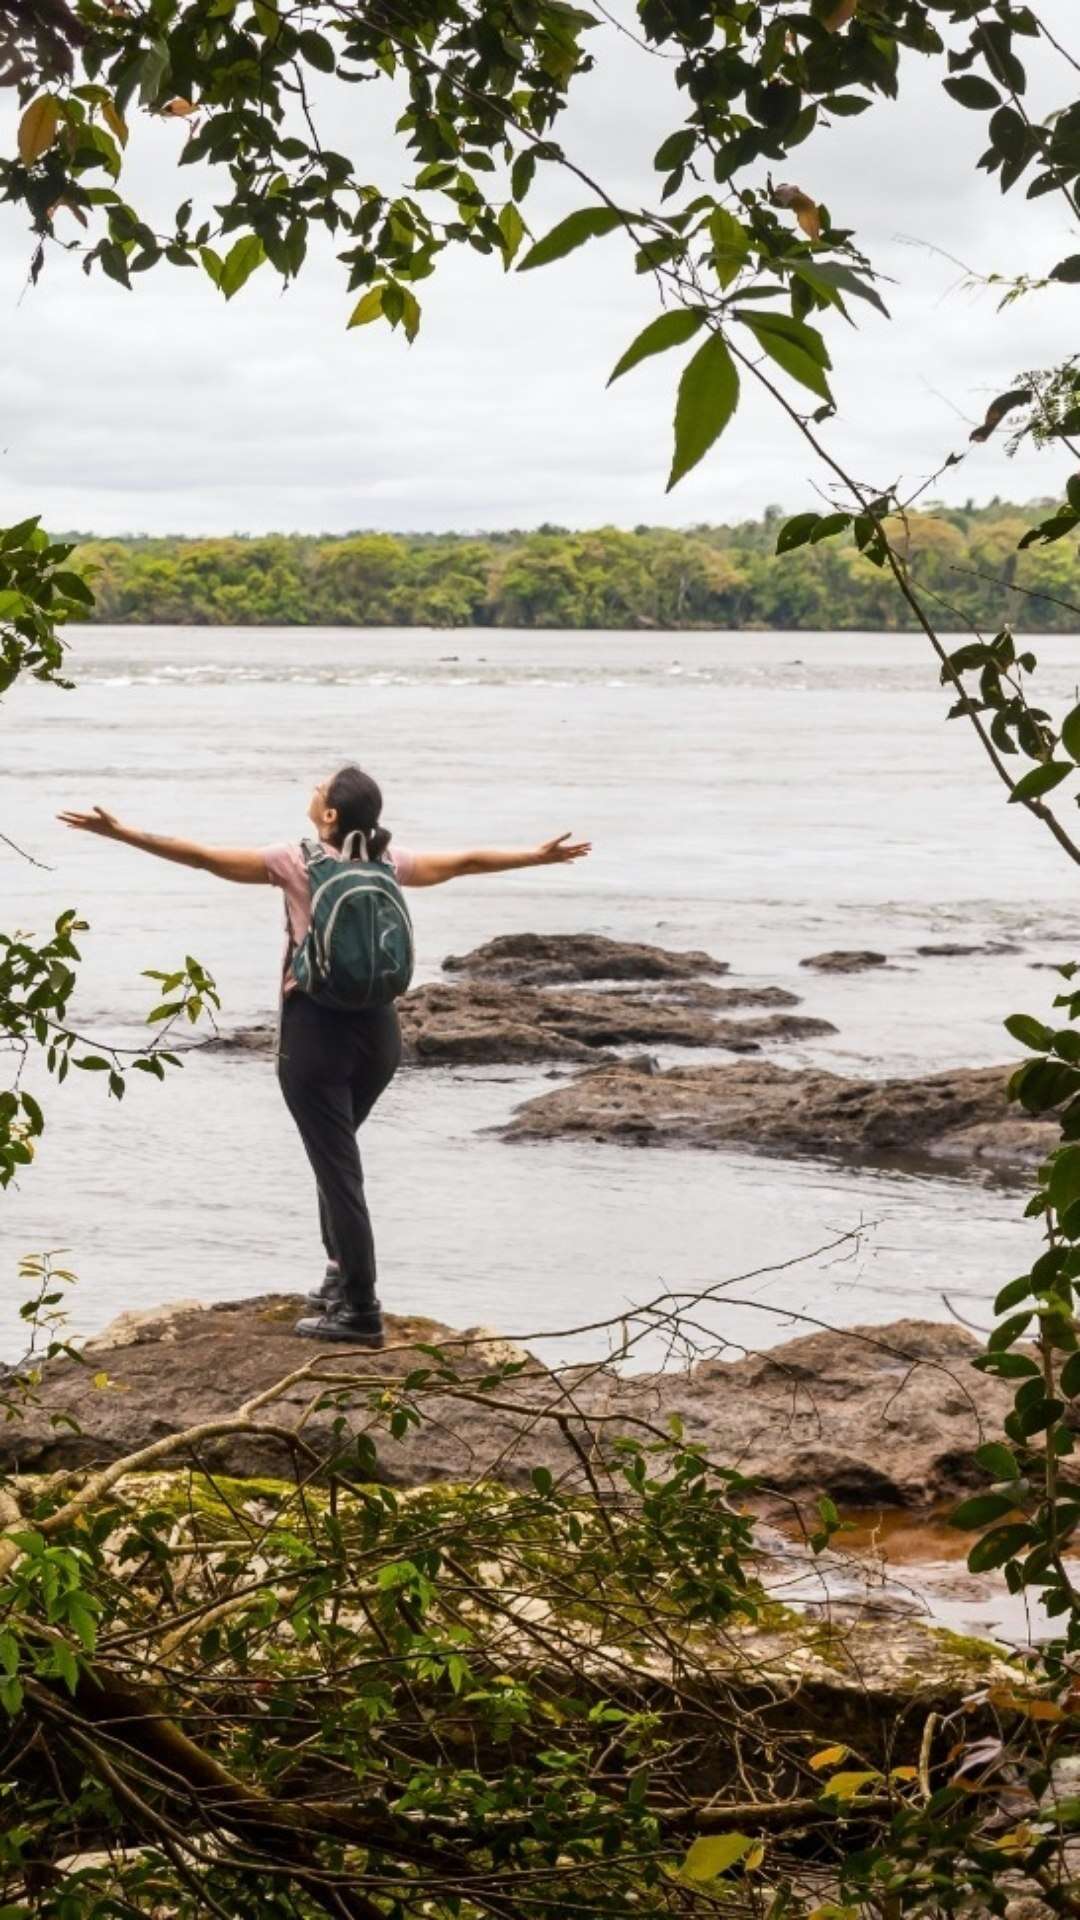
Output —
<point x="333" y="1066"/>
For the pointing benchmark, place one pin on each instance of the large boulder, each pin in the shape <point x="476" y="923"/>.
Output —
<point x="879" y="1416"/>
<point x="959" y="1118"/>
<point x="545" y="959"/>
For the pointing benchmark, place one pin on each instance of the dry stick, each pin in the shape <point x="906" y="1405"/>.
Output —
<point x="1014" y="586"/>
<point x="23" y="855"/>
<point x="100" y="1483"/>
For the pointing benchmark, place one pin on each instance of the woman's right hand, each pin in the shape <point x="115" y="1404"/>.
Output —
<point x="97" y="822"/>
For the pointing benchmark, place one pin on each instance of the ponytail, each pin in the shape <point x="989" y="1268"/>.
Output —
<point x="357" y="801"/>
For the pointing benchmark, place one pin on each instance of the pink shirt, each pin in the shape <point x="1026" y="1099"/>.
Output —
<point x="286" y="869"/>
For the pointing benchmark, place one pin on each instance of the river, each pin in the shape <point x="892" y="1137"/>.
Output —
<point x="763" y="796"/>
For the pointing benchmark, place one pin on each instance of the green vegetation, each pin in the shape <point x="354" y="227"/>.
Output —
<point x="965" y="559"/>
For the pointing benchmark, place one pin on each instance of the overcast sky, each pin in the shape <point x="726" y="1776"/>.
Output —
<point x="166" y="410"/>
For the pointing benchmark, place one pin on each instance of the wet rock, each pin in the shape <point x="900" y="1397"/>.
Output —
<point x="879" y="1416"/>
<point x="481" y="1023"/>
<point x="959" y="1118"/>
<point x="485" y="1021"/>
<point x="857" y="960"/>
<point x="701" y="993"/>
<point x="954" y="950"/>
<point x="544" y="959"/>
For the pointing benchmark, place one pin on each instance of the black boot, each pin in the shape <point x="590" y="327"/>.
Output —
<point x="329" y="1295"/>
<point x="348" y="1325"/>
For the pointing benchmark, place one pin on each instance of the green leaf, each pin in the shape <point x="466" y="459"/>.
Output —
<point x="1041" y="779"/>
<point x="999" y="1545"/>
<point x="317" y="51"/>
<point x="1030" y="1032"/>
<point x="240" y="263"/>
<point x="796" y="532"/>
<point x="1067" y="270"/>
<point x="1011" y="1295"/>
<point x="845" y="104"/>
<point x="797" y="348"/>
<point x="587" y="224"/>
<point x="1006" y="1366"/>
<point x="707" y="399"/>
<point x="74" y="587"/>
<point x="367" y="308"/>
<point x="1070" y="1377"/>
<point x="731" y="245"/>
<point x="153" y="67"/>
<point x="512" y="228"/>
<point x="981" y="1510"/>
<point x="713" y="1854"/>
<point x="998" y="1461"/>
<point x="848" y="1786"/>
<point x="521" y="173"/>
<point x="1070" y="733"/>
<point x="212" y="264"/>
<point x="971" y="90"/>
<point x="63" y="1662"/>
<point x="1008" y="1332"/>
<point x="1063" y="1185"/>
<point x="676" y="150"/>
<point x="826" y="276"/>
<point x="542" y="1480"/>
<point x="667" y="330"/>
<point x="828" y="525"/>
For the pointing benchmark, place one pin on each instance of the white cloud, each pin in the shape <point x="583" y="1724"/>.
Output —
<point x="165" y="410"/>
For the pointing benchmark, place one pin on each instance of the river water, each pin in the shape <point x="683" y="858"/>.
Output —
<point x="763" y="796"/>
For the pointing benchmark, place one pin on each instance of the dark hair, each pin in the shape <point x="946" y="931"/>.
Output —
<point x="357" y="802"/>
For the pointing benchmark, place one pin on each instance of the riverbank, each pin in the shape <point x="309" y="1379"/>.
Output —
<point x="646" y="580"/>
<point x="882" y="1421"/>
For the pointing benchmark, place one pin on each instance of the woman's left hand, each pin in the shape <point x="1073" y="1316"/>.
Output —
<point x="97" y="822"/>
<point x="554" y="853"/>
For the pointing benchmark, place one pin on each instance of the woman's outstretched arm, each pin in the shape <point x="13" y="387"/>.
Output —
<point x="244" y="864"/>
<point x="431" y="869"/>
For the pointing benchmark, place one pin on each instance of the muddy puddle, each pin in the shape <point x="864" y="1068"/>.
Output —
<point x="900" y="1564"/>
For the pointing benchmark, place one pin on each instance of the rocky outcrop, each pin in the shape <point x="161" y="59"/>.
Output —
<point x="959" y="1119"/>
<point x="956" y="950"/>
<point x="495" y="1022"/>
<point x="844" y="961"/>
<point x="501" y="1025"/>
<point x="879" y="1416"/>
<point x="498" y="1014"/>
<point x="549" y="959"/>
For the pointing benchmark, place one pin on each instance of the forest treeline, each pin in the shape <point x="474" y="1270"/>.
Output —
<point x="651" y="577"/>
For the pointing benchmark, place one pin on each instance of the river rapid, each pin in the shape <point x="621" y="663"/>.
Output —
<point x="764" y="796"/>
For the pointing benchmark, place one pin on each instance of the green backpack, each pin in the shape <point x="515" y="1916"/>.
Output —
<point x="359" y="949"/>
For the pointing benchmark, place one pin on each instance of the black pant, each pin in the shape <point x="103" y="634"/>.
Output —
<point x="332" y="1068"/>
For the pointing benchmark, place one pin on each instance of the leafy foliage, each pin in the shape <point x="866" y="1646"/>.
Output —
<point x="39" y="591"/>
<point x="723" y="576"/>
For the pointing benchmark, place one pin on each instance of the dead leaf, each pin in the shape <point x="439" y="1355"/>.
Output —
<point x="840" y="16"/>
<point x="996" y="411"/>
<point x="180" y="108"/>
<point x="37" y="128"/>
<point x="66" y="206"/>
<point x="115" y="121"/>
<point x="806" y="211"/>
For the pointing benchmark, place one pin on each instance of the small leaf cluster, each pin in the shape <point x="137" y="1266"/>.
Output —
<point x="39" y="591"/>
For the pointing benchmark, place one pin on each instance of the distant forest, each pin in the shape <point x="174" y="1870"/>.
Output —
<point x="652" y="577"/>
